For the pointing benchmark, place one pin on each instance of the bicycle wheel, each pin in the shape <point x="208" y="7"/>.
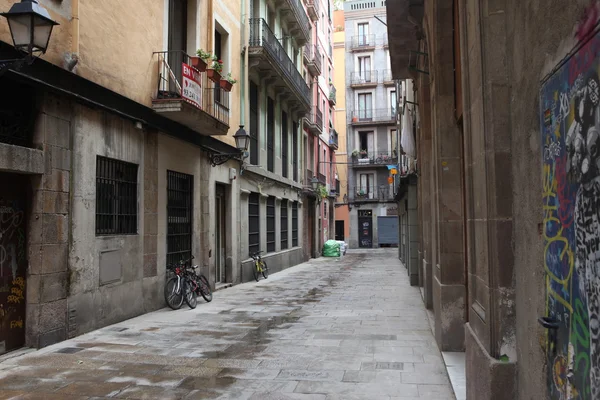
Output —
<point x="173" y="293"/>
<point x="255" y="271"/>
<point x="191" y="299"/>
<point x="265" y="269"/>
<point x="205" y="289"/>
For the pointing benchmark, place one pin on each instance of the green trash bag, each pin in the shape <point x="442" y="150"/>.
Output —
<point x="331" y="248"/>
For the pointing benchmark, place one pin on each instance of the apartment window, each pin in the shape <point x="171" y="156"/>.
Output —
<point x="284" y="144"/>
<point x="270" y="135"/>
<point x="253" y="123"/>
<point x="116" y="197"/>
<point x="180" y="205"/>
<point x="394" y="140"/>
<point x="253" y="223"/>
<point x="295" y="151"/>
<point x="284" y="224"/>
<point x="365" y="103"/>
<point x="364" y="69"/>
<point x="393" y="101"/>
<point x="270" y="224"/>
<point x="324" y="164"/>
<point x="366" y="141"/>
<point x="366" y="185"/>
<point x="363" y="34"/>
<point x="177" y="41"/>
<point x="295" y="224"/>
<point x="219" y="54"/>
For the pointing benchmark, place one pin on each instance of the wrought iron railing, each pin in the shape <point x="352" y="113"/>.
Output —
<point x="362" y="41"/>
<point x="322" y="178"/>
<point x="361" y="157"/>
<point x="213" y="100"/>
<point x="262" y="36"/>
<point x="370" y="193"/>
<point x="332" y="94"/>
<point x="301" y="16"/>
<point x="318" y="116"/>
<point x="333" y="138"/>
<point x="387" y="75"/>
<point x="363" y="77"/>
<point x="308" y="177"/>
<point x="315" y="5"/>
<point x="317" y="57"/>
<point x="373" y="115"/>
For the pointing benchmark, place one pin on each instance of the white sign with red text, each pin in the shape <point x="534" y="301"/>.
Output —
<point x="191" y="89"/>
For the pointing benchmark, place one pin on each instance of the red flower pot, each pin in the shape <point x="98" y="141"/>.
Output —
<point x="199" y="64"/>
<point x="226" y="85"/>
<point x="213" y="75"/>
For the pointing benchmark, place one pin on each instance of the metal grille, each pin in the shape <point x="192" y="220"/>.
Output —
<point x="253" y="223"/>
<point x="295" y="224"/>
<point x="295" y="151"/>
<point x="284" y="145"/>
<point x="284" y="224"/>
<point x="270" y="135"/>
<point x="116" y="197"/>
<point x="179" y="216"/>
<point x="270" y="224"/>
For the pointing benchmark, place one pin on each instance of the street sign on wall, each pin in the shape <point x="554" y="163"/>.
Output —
<point x="191" y="88"/>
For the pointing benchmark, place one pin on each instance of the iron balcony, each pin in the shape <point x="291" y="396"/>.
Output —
<point x="268" y="57"/>
<point x="370" y="194"/>
<point x="373" y="116"/>
<point x="360" y="158"/>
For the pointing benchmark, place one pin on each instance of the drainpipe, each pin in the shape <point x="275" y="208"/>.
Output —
<point x="73" y="58"/>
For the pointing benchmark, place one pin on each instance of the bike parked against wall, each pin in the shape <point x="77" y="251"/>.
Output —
<point x="259" y="266"/>
<point x="186" y="284"/>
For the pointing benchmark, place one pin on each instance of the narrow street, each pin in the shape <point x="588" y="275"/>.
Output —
<point x="328" y="329"/>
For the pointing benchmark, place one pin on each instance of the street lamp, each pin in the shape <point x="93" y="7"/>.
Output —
<point x="30" y="28"/>
<point x="242" y="141"/>
<point x="315" y="183"/>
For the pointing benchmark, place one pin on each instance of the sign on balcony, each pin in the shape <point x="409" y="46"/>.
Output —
<point x="191" y="89"/>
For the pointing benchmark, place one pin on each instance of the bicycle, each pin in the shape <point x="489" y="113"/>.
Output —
<point x="260" y="266"/>
<point x="186" y="285"/>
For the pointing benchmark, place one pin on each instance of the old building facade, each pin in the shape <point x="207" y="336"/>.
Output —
<point x="507" y="115"/>
<point x="371" y="135"/>
<point x="111" y="168"/>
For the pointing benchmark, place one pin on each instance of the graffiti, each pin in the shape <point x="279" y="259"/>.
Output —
<point x="16" y="324"/>
<point x="587" y="23"/>
<point x="570" y="126"/>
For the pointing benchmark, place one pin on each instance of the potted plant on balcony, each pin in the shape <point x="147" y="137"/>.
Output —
<point x="214" y="72"/>
<point x="228" y="82"/>
<point x="363" y="153"/>
<point x="201" y="62"/>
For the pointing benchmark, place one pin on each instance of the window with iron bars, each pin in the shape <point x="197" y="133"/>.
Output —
<point x="295" y="224"/>
<point x="295" y="151"/>
<point x="284" y="224"/>
<point x="270" y="224"/>
<point x="116" y="197"/>
<point x="180" y="205"/>
<point x="253" y="223"/>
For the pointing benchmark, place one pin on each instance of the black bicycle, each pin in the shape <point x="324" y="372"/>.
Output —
<point x="186" y="285"/>
<point x="260" y="266"/>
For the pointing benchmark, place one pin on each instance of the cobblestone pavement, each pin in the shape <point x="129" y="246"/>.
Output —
<point x="327" y="329"/>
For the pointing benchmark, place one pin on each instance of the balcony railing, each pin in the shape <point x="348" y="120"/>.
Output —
<point x="308" y="177"/>
<point x="364" y="78"/>
<point x="322" y="178"/>
<point x="362" y="41"/>
<point x="380" y="115"/>
<point x="333" y="138"/>
<point x="332" y="94"/>
<point x="313" y="8"/>
<point x="261" y="36"/>
<point x="212" y="99"/>
<point x="313" y="57"/>
<point x="301" y="17"/>
<point x="370" y="193"/>
<point x="318" y="117"/>
<point x="359" y="158"/>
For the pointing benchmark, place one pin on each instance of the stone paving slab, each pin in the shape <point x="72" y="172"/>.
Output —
<point x="327" y="329"/>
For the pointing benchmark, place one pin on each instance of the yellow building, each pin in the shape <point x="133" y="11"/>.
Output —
<point x="120" y="159"/>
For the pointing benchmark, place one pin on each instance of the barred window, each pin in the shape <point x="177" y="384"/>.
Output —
<point x="284" y="224"/>
<point x="180" y="206"/>
<point x="270" y="224"/>
<point x="116" y="197"/>
<point x="253" y="223"/>
<point x="295" y="224"/>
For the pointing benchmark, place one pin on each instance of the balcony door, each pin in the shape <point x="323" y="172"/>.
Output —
<point x="363" y="34"/>
<point x="364" y="69"/>
<point x="365" y="106"/>
<point x="177" y="38"/>
<point x="365" y="187"/>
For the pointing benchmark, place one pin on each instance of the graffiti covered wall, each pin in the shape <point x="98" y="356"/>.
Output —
<point x="570" y="126"/>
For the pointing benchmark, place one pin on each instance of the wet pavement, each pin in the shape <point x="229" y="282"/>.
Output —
<point x="327" y="329"/>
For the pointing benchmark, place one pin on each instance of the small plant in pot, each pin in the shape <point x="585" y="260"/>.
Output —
<point x="363" y="153"/>
<point x="228" y="82"/>
<point x="201" y="62"/>
<point x="214" y="72"/>
<point x="355" y="153"/>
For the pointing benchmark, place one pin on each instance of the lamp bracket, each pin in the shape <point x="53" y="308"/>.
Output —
<point x="222" y="158"/>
